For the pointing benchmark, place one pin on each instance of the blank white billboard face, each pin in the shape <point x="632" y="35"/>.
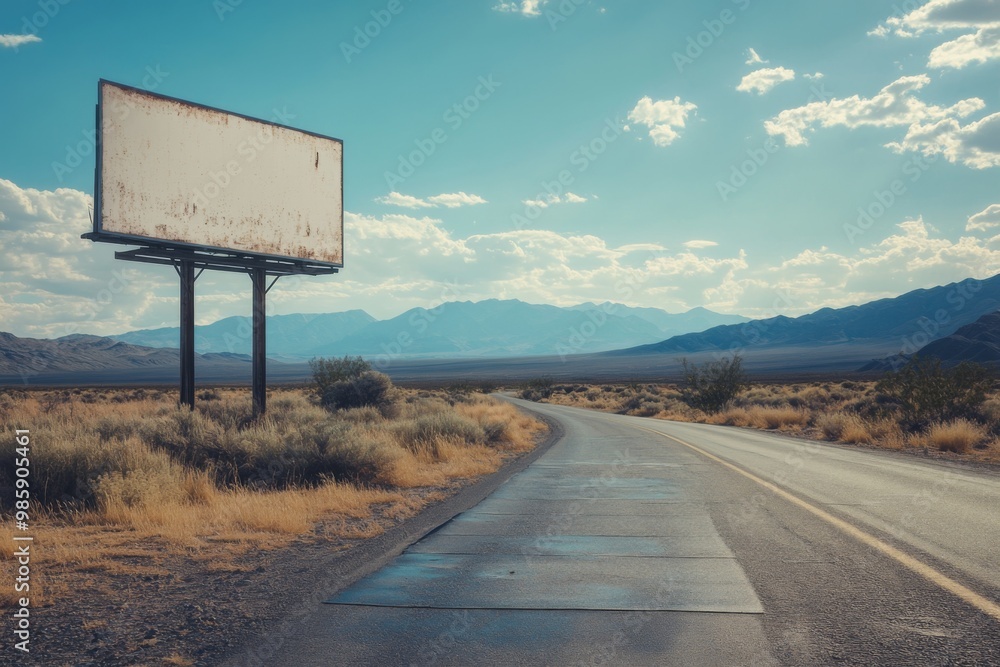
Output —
<point x="176" y="172"/>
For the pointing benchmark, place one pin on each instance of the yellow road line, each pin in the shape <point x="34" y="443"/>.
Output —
<point x="981" y="603"/>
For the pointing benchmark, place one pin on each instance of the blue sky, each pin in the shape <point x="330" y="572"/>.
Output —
<point x="717" y="154"/>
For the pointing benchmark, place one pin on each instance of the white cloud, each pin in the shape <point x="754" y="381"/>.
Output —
<point x="981" y="16"/>
<point x="403" y="234"/>
<point x="753" y="58"/>
<point x="938" y="15"/>
<point x="984" y="220"/>
<point x="697" y="244"/>
<point x="55" y="283"/>
<point x="814" y="77"/>
<point x="524" y="7"/>
<point x="663" y="118"/>
<point x="552" y="200"/>
<point x="14" y="41"/>
<point x="763" y="80"/>
<point x="911" y="257"/>
<point x="975" y="145"/>
<point x="931" y="129"/>
<point x="456" y="200"/>
<point x="448" y="200"/>
<point x="979" y="47"/>
<point x="894" y="106"/>
<point x="403" y="201"/>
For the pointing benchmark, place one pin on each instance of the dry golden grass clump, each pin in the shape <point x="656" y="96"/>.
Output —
<point x="149" y="452"/>
<point x="959" y="435"/>
<point x="849" y="412"/>
<point x="761" y="417"/>
<point x="131" y="462"/>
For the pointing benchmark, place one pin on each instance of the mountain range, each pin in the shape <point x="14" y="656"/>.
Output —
<point x="903" y="324"/>
<point x="287" y="335"/>
<point x="23" y="359"/>
<point x="978" y="342"/>
<point x="464" y="340"/>
<point x="487" y="329"/>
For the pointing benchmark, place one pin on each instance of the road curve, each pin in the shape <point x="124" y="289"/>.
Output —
<point x="642" y="542"/>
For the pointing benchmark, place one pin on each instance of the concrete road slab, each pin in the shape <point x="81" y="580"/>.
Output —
<point x="687" y="546"/>
<point x="583" y="488"/>
<point x="450" y="581"/>
<point x="593" y="507"/>
<point x="460" y="638"/>
<point x="581" y="523"/>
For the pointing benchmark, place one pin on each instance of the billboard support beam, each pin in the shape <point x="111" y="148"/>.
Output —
<point x="283" y="215"/>
<point x="185" y="262"/>
<point x="185" y="270"/>
<point x="259" y="381"/>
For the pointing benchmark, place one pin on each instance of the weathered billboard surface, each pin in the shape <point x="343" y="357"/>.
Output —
<point x="174" y="173"/>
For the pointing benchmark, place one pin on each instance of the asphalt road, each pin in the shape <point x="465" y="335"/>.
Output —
<point x="641" y="542"/>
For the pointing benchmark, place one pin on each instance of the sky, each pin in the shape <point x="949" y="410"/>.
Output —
<point x="750" y="157"/>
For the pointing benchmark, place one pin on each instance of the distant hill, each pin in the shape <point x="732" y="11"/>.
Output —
<point x="495" y="328"/>
<point x="475" y="341"/>
<point x="491" y="328"/>
<point x="978" y="342"/>
<point x="670" y="324"/>
<point x="288" y="335"/>
<point x="896" y="324"/>
<point x="82" y="354"/>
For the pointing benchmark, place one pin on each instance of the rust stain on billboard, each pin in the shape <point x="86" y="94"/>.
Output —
<point x="178" y="172"/>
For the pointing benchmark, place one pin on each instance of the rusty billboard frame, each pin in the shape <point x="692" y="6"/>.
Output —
<point x="99" y="233"/>
<point x="190" y="259"/>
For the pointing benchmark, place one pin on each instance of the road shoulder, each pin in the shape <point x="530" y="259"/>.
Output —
<point x="287" y="603"/>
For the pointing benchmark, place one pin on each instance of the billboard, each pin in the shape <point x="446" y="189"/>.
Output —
<point x="173" y="173"/>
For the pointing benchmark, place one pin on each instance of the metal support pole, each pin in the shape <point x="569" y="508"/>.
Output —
<point x="186" y="271"/>
<point x="259" y="278"/>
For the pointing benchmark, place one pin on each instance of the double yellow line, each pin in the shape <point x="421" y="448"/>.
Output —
<point x="973" y="598"/>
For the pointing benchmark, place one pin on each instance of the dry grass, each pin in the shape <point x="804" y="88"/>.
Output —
<point x="761" y="417"/>
<point x="846" y="412"/>
<point x="854" y="431"/>
<point x="958" y="436"/>
<point x="125" y="481"/>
